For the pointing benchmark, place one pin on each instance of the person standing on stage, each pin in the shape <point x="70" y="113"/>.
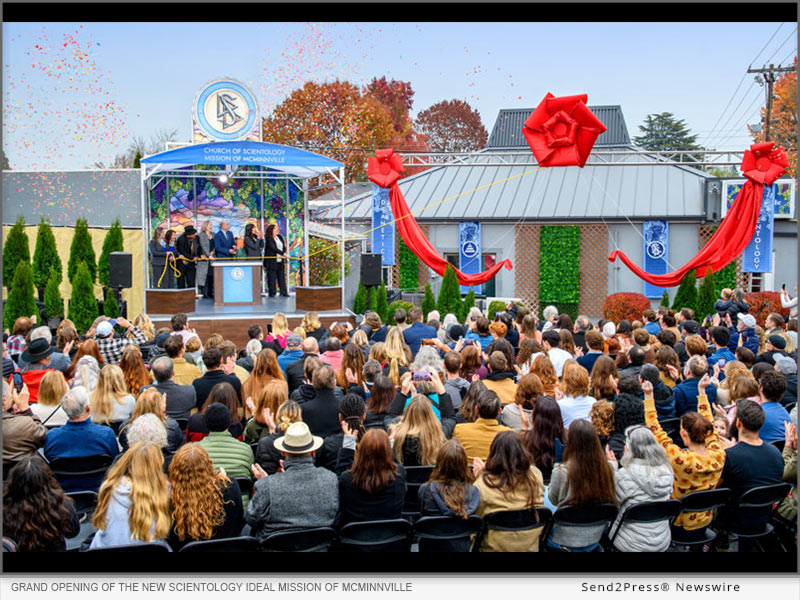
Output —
<point x="205" y="249"/>
<point x="253" y="245"/>
<point x="158" y="260"/>
<point x="186" y="255"/>
<point x="276" y="260"/>
<point x="224" y="242"/>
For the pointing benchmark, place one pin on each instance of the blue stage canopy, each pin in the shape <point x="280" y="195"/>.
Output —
<point x="286" y="159"/>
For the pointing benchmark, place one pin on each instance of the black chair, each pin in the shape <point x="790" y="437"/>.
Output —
<point x="115" y="425"/>
<point x="586" y="515"/>
<point x="415" y="477"/>
<point x="517" y="520"/>
<point x="314" y="539"/>
<point x="672" y="427"/>
<point x="86" y="471"/>
<point x="392" y="535"/>
<point x="645" y="512"/>
<point x="243" y="543"/>
<point x="753" y="504"/>
<point x="148" y="547"/>
<point x="9" y="545"/>
<point x="85" y="502"/>
<point x="254" y="448"/>
<point x="790" y="406"/>
<point x="245" y="485"/>
<point x="701" y="501"/>
<point x="447" y="534"/>
<point x="779" y="444"/>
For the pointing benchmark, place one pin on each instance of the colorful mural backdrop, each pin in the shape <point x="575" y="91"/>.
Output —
<point x="784" y="200"/>
<point x="296" y="225"/>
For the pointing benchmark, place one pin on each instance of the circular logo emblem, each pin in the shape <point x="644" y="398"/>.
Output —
<point x="237" y="274"/>
<point x="469" y="249"/>
<point x="225" y="110"/>
<point x="655" y="249"/>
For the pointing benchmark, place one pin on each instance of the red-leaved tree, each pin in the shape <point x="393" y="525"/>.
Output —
<point x="452" y="126"/>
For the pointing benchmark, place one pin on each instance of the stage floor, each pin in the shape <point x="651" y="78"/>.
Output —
<point x="205" y="309"/>
<point x="232" y="321"/>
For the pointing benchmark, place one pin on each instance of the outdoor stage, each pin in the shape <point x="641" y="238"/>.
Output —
<point x="232" y="321"/>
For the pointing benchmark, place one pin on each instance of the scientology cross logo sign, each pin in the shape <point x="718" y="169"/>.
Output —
<point x="225" y="110"/>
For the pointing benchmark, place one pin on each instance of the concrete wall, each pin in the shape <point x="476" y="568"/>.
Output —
<point x="785" y="267"/>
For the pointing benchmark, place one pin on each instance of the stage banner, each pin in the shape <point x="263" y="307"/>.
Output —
<point x="656" y="253"/>
<point x="469" y="251"/>
<point x="757" y="256"/>
<point x="382" y="232"/>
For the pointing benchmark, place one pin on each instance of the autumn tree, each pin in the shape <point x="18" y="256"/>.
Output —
<point x="334" y="119"/>
<point x="452" y="126"/>
<point x="783" y="121"/>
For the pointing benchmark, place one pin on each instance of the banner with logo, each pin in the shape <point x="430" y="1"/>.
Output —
<point x="469" y="251"/>
<point x="656" y="253"/>
<point x="757" y="256"/>
<point x="382" y="225"/>
<point x="225" y="110"/>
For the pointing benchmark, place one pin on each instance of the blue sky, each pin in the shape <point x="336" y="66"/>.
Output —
<point x="66" y="107"/>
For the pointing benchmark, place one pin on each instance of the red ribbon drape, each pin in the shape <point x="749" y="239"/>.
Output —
<point x="384" y="170"/>
<point x="762" y="166"/>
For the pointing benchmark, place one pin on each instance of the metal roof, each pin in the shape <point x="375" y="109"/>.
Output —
<point x="507" y="131"/>
<point x="513" y="193"/>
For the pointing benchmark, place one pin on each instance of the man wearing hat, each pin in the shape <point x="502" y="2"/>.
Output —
<point x="111" y="348"/>
<point x="744" y="331"/>
<point x="788" y="368"/>
<point x="37" y="359"/>
<point x="277" y="503"/>
<point x="774" y="347"/>
<point x="187" y="251"/>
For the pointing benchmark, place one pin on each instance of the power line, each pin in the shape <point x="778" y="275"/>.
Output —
<point x="793" y="34"/>
<point x="749" y="111"/>
<point x="744" y="97"/>
<point x="744" y="75"/>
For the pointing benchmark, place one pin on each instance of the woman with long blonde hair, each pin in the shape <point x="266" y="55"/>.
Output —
<point x="133" y="502"/>
<point x="264" y="409"/>
<point x="378" y="353"/>
<point x="398" y="354"/>
<point x="205" y="505"/>
<point x="110" y="400"/>
<point x="51" y="390"/>
<point x="136" y="372"/>
<point x="151" y="401"/>
<point x="143" y="322"/>
<point x="265" y="370"/>
<point x="267" y="455"/>
<point x="280" y="329"/>
<point x="418" y="437"/>
<point x="360" y="340"/>
<point x="732" y="370"/>
<point x="312" y="325"/>
<point x="544" y="369"/>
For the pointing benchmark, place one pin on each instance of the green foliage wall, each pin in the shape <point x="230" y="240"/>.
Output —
<point x="409" y="268"/>
<point x="559" y="267"/>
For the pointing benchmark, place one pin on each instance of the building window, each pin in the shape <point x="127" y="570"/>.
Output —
<point x="756" y="282"/>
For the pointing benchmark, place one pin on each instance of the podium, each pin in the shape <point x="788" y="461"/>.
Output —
<point x="237" y="282"/>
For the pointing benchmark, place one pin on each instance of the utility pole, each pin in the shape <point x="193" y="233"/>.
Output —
<point x="769" y="77"/>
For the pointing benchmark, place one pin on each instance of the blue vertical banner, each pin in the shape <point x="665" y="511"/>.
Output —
<point x="469" y="251"/>
<point x="382" y="226"/>
<point x="656" y="253"/>
<point x="757" y="256"/>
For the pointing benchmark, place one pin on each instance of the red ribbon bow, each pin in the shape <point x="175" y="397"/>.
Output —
<point x="562" y="131"/>
<point x="384" y="168"/>
<point x="763" y="163"/>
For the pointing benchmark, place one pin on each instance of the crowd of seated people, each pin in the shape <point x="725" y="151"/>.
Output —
<point x="322" y="427"/>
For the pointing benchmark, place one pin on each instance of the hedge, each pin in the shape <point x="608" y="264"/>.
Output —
<point x="763" y="303"/>
<point x="625" y="305"/>
<point x="495" y="306"/>
<point x="706" y="297"/>
<point x="686" y="296"/>
<point x="450" y="293"/>
<point x="82" y="304"/>
<point x="428" y="302"/>
<point x="559" y="267"/>
<point x="53" y="303"/>
<point x="81" y="251"/>
<point x="45" y="256"/>
<point x="15" y="249"/>
<point x="407" y="306"/>
<point x="20" y="302"/>
<point x="112" y="243"/>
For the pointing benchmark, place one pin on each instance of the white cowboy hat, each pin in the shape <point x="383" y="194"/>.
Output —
<point x="298" y="440"/>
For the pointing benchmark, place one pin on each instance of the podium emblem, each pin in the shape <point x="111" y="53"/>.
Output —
<point x="237" y="274"/>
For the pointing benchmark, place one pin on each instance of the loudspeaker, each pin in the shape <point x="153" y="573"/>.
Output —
<point x="120" y="269"/>
<point x="371" y="269"/>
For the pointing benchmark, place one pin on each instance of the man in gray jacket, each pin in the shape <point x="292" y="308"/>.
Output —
<point x="301" y="495"/>
<point x="181" y="399"/>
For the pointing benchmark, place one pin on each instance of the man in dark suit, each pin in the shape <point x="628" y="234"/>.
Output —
<point x="594" y="342"/>
<point x="186" y="250"/>
<point x="212" y="359"/>
<point x="181" y="399"/>
<point x="224" y="242"/>
<point x="418" y="331"/>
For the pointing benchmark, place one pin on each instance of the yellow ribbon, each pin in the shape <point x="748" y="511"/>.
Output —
<point x="171" y="263"/>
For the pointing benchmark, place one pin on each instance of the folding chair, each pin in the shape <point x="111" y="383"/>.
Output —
<point x="393" y="535"/>
<point x="314" y="539"/>
<point x="539" y="518"/>
<point x="645" y="512"/>
<point x="447" y="534"/>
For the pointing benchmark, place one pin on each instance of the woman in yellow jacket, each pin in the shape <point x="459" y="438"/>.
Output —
<point x="699" y="466"/>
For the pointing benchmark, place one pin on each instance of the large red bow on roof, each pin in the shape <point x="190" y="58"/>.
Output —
<point x="384" y="170"/>
<point x="762" y="165"/>
<point x="562" y="131"/>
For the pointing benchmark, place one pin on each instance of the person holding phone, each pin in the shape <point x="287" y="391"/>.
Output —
<point x="23" y="432"/>
<point x="721" y="336"/>
<point x="788" y="302"/>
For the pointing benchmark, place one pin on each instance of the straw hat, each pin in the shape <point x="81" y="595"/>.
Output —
<point x="298" y="440"/>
